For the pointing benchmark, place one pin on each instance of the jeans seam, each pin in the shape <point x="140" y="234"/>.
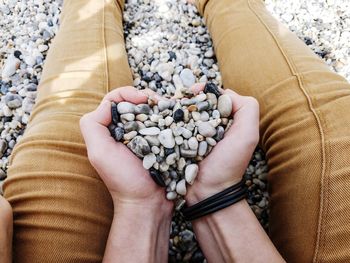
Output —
<point x="105" y="78"/>
<point x="323" y="192"/>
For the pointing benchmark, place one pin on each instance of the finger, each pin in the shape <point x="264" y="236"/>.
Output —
<point x="128" y="93"/>
<point x="246" y="117"/>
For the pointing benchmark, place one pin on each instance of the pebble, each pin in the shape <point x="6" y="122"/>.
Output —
<point x="187" y="78"/>
<point x="127" y="117"/>
<point x="125" y="107"/>
<point x="130" y="126"/>
<point x="191" y="173"/>
<point x="178" y="115"/>
<point x="163" y="104"/>
<point x="166" y="138"/>
<point x="11" y="65"/>
<point x="139" y="146"/>
<point x="142" y="109"/>
<point x="149" y="160"/>
<point x="225" y="106"/>
<point x="128" y="136"/>
<point x="193" y="143"/>
<point x="150" y="131"/>
<point x="206" y="129"/>
<point x="171" y="195"/>
<point x="181" y="187"/>
<point x="119" y="134"/>
<point x="202" y="148"/>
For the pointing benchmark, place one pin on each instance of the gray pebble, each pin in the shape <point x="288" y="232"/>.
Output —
<point x="225" y="105"/>
<point x="119" y="133"/>
<point x="179" y="140"/>
<point x="193" y="143"/>
<point x="150" y="131"/>
<point x="152" y="140"/>
<point x="130" y="135"/>
<point x="142" y="109"/>
<point x="131" y="126"/>
<point x="220" y="131"/>
<point x="202" y="148"/>
<point x="139" y="146"/>
<point x="204" y="116"/>
<point x="127" y="117"/>
<point x="164" y="104"/>
<point x="155" y="149"/>
<point x="210" y="141"/>
<point x="187" y="153"/>
<point x="149" y="160"/>
<point x="206" y="129"/>
<point x="186" y="133"/>
<point x="187" y="78"/>
<point x="203" y="105"/>
<point x="171" y="159"/>
<point x="125" y="107"/>
<point x="166" y="138"/>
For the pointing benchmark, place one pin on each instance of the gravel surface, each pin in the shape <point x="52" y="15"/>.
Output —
<point x="157" y="32"/>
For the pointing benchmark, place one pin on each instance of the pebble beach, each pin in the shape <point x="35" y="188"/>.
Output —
<point x="168" y="47"/>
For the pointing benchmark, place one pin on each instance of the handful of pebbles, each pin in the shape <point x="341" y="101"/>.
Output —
<point x="172" y="135"/>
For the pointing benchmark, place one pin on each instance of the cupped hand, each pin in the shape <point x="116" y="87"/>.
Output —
<point x="119" y="168"/>
<point x="226" y="163"/>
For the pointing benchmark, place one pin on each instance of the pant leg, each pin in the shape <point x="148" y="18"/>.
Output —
<point x="62" y="210"/>
<point x="305" y="127"/>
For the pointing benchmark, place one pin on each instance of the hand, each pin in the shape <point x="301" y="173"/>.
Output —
<point x="226" y="163"/>
<point x="119" y="168"/>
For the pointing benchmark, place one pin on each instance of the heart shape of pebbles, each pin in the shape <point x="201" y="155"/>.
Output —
<point x="172" y="135"/>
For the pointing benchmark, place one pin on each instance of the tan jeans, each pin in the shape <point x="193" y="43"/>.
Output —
<point x="62" y="211"/>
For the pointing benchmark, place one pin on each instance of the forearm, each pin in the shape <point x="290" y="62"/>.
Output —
<point x="139" y="234"/>
<point x="236" y="236"/>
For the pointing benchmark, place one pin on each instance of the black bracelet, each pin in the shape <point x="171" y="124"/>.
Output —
<point x="216" y="202"/>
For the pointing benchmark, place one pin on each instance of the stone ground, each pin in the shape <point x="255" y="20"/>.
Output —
<point x="155" y="31"/>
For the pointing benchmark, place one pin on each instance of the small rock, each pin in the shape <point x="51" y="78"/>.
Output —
<point x="150" y="131"/>
<point x="139" y="146"/>
<point x="127" y="117"/>
<point x="13" y="101"/>
<point x="141" y="117"/>
<point x="187" y="78"/>
<point x="142" y="109"/>
<point x="220" y="131"/>
<point x="149" y="160"/>
<point x="152" y="140"/>
<point x="155" y="149"/>
<point x="166" y="138"/>
<point x="163" y="105"/>
<point x="171" y="195"/>
<point x="11" y="65"/>
<point x="191" y="172"/>
<point x="188" y="153"/>
<point x="225" y="106"/>
<point x="178" y="115"/>
<point x="131" y="126"/>
<point x="181" y="187"/>
<point x="171" y="159"/>
<point x="119" y="133"/>
<point x="212" y="88"/>
<point x="168" y="120"/>
<point x="157" y="178"/>
<point x="206" y="129"/>
<point x="203" y="105"/>
<point x="125" y="107"/>
<point x="193" y="143"/>
<point x="130" y="135"/>
<point x="202" y="148"/>
<point x="2" y="174"/>
<point x="210" y="141"/>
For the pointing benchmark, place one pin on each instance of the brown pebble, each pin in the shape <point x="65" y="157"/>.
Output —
<point x="192" y="108"/>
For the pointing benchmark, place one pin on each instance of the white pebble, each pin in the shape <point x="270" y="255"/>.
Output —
<point x="193" y="143"/>
<point x="150" y="131"/>
<point x="181" y="187"/>
<point x="191" y="173"/>
<point x="166" y="138"/>
<point x="149" y="160"/>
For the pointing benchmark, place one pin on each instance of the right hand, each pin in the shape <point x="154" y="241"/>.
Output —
<point x="227" y="162"/>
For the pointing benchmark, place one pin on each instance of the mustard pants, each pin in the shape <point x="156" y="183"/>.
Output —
<point x="62" y="210"/>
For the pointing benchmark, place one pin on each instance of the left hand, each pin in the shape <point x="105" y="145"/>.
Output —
<point x="120" y="169"/>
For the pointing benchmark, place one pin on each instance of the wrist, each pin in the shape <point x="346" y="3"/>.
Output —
<point x="153" y="209"/>
<point x="200" y="191"/>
